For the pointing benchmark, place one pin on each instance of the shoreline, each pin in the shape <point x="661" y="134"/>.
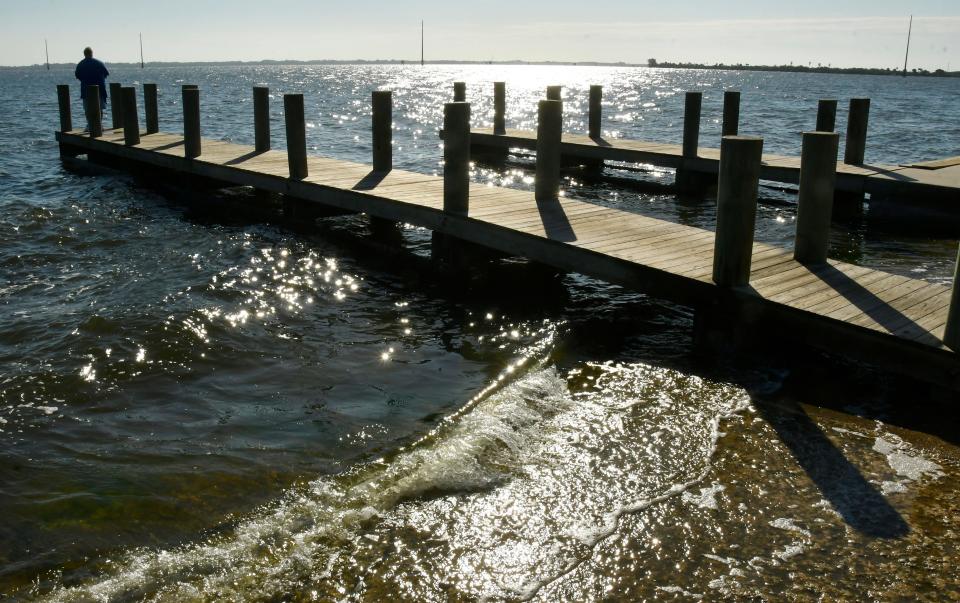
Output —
<point x="651" y="64"/>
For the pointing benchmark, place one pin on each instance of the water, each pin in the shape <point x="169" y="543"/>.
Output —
<point x="198" y="405"/>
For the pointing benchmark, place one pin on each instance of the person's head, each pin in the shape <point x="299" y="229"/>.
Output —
<point x="88" y="52"/>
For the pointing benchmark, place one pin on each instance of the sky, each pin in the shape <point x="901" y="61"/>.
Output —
<point x="853" y="33"/>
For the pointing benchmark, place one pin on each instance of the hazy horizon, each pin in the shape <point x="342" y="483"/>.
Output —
<point x="859" y="33"/>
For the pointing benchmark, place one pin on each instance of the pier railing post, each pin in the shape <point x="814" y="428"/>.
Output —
<point x="459" y="92"/>
<point x="63" y="100"/>
<point x="736" y="209"/>
<point x="554" y="92"/>
<point x="731" y="113"/>
<point x="91" y="105"/>
<point x="856" y="131"/>
<point x="951" y="333"/>
<point x="456" y="158"/>
<point x="382" y="130"/>
<point x="499" y="107"/>
<point x="595" y="115"/>
<point x="826" y="115"/>
<point x="150" y="110"/>
<point x="131" y="121"/>
<point x="261" y="118"/>
<point x="818" y="174"/>
<point x="549" y="125"/>
<point x="116" y="105"/>
<point x="191" y="121"/>
<point x="293" y="117"/>
<point x="691" y="123"/>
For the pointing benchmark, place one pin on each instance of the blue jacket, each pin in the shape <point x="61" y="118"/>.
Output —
<point x="89" y="72"/>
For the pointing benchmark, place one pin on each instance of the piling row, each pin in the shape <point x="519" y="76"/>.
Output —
<point x="738" y="182"/>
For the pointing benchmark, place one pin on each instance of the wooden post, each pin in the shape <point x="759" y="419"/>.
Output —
<point x="150" y="109"/>
<point x="691" y="123"/>
<point x="92" y="111"/>
<point x="554" y="92"/>
<point x="499" y="107"/>
<point x="91" y="105"/>
<point x="456" y="158"/>
<point x="736" y="209"/>
<point x="191" y="121"/>
<point x="595" y="116"/>
<point x="63" y="99"/>
<point x="826" y="114"/>
<point x="116" y="105"/>
<point x="818" y="174"/>
<point x="296" y="135"/>
<point x="382" y="130"/>
<point x="951" y="334"/>
<point x="459" y="92"/>
<point x="856" y="131"/>
<point x="261" y="118"/>
<point x="131" y="122"/>
<point x="731" y="113"/>
<point x="549" y="124"/>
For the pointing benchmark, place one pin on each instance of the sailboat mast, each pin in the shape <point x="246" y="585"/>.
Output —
<point x="46" y="49"/>
<point x="907" y="55"/>
<point x="141" y="51"/>
<point x="421" y="43"/>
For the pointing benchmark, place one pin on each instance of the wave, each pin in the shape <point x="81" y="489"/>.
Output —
<point x="506" y="496"/>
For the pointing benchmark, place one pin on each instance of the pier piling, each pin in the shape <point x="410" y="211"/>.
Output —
<point x="94" y="113"/>
<point x="63" y="100"/>
<point x="191" y="121"/>
<point x="150" y="109"/>
<point x="951" y="333"/>
<point x="856" y="131"/>
<point x="818" y="174"/>
<point x="554" y="92"/>
<point x="499" y="107"/>
<point x="116" y="105"/>
<point x="689" y="181"/>
<point x="736" y="209"/>
<point x="826" y="115"/>
<point x="456" y="158"/>
<point x="549" y="124"/>
<point x="261" y="118"/>
<point x="459" y="92"/>
<point x="382" y="130"/>
<point x="293" y="117"/>
<point x="131" y="121"/>
<point x="595" y="116"/>
<point x="731" y="113"/>
<point x="691" y="123"/>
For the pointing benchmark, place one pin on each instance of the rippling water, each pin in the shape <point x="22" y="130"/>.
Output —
<point x="204" y="405"/>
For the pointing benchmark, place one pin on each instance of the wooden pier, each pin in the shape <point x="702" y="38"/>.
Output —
<point x="936" y="181"/>
<point x="736" y="286"/>
<point x="931" y="180"/>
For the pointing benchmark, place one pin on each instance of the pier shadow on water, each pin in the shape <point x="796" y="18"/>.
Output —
<point x="842" y="484"/>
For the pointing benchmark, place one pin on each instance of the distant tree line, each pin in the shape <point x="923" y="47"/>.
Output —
<point x="809" y="68"/>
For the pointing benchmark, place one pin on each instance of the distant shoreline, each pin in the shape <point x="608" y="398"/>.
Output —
<point x="652" y="63"/>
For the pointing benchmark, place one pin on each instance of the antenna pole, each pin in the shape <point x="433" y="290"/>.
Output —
<point x="907" y="55"/>
<point x="46" y="49"/>
<point x="141" y="51"/>
<point x="421" y="43"/>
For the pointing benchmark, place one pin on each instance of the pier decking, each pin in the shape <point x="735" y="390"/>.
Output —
<point x="867" y="314"/>
<point x="932" y="180"/>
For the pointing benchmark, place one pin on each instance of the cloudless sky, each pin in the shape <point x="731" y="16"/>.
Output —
<point x="841" y="33"/>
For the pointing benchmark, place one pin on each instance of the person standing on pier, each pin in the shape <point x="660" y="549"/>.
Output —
<point x="90" y="71"/>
